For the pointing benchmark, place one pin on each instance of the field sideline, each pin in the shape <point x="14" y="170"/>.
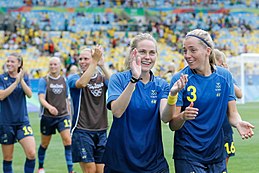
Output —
<point x="246" y="159"/>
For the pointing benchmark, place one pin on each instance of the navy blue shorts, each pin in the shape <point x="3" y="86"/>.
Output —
<point x="229" y="145"/>
<point x="186" y="166"/>
<point x="9" y="134"/>
<point x="88" y="146"/>
<point x="48" y="125"/>
<point x="107" y="169"/>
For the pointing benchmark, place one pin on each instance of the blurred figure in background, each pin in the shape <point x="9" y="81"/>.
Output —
<point x="228" y="132"/>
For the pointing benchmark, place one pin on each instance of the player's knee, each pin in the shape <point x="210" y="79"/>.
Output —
<point x="30" y="154"/>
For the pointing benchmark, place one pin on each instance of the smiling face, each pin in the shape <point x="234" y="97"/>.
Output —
<point x="147" y="52"/>
<point x="85" y="59"/>
<point x="54" y="66"/>
<point x="12" y="64"/>
<point x="196" y="54"/>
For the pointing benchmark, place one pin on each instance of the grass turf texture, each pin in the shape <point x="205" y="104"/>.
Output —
<point x="246" y="159"/>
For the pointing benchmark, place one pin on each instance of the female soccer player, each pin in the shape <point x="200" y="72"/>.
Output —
<point x="137" y="99"/>
<point x="53" y="95"/>
<point x="201" y="109"/>
<point x="90" y="123"/>
<point x="14" y="120"/>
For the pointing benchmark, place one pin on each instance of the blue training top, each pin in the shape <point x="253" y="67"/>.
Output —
<point x="13" y="109"/>
<point x="135" y="142"/>
<point x="201" y="139"/>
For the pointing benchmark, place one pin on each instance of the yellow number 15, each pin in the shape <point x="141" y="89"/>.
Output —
<point x="193" y="96"/>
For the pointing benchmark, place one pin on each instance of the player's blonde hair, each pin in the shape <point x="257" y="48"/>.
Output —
<point x="219" y="56"/>
<point x="84" y="49"/>
<point x="204" y="39"/>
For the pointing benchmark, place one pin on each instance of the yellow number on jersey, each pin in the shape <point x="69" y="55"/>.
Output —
<point x="27" y="130"/>
<point x="192" y="89"/>
<point x="67" y="123"/>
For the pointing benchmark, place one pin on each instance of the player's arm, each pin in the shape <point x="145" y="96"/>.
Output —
<point x="46" y="105"/>
<point x="168" y="110"/>
<point x="119" y="105"/>
<point x="6" y="92"/>
<point x="25" y="87"/>
<point x="180" y="117"/>
<point x="42" y="87"/>
<point x="85" y="78"/>
<point x="103" y="67"/>
<point x="238" y="92"/>
<point x="244" y="128"/>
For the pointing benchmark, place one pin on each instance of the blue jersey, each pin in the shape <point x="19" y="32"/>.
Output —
<point x="201" y="139"/>
<point x="13" y="109"/>
<point x="135" y="142"/>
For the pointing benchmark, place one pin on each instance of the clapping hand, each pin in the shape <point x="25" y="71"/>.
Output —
<point x="135" y="64"/>
<point x="97" y="53"/>
<point x="179" y="84"/>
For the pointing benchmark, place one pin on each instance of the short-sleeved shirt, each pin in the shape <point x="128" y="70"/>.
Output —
<point x="201" y="139"/>
<point x="90" y="112"/>
<point x="13" y="109"/>
<point x="135" y="142"/>
<point x="56" y="91"/>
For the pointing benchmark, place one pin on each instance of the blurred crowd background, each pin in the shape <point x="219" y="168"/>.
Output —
<point x="39" y="29"/>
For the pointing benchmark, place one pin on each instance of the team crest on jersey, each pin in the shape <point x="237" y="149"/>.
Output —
<point x="153" y="96"/>
<point x="5" y="78"/>
<point x="218" y="89"/>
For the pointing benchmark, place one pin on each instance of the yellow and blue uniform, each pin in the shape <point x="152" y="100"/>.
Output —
<point x="14" y="120"/>
<point x="202" y="140"/>
<point x="135" y="142"/>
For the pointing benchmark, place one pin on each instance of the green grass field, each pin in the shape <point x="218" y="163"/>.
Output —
<point x="246" y="159"/>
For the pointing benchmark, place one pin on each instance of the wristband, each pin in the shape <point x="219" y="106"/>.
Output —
<point x="134" y="80"/>
<point x="171" y="100"/>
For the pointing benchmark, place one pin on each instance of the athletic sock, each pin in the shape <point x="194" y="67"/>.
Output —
<point x="29" y="166"/>
<point x="68" y="156"/>
<point x="7" y="166"/>
<point x="41" y="156"/>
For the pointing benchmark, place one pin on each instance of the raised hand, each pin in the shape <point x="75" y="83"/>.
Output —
<point x="97" y="53"/>
<point x="179" y="84"/>
<point x="19" y="76"/>
<point x="135" y="63"/>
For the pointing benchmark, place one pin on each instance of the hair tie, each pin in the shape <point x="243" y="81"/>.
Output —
<point x="204" y="41"/>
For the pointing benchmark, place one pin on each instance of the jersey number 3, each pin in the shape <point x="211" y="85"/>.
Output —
<point x="193" y="96"/>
